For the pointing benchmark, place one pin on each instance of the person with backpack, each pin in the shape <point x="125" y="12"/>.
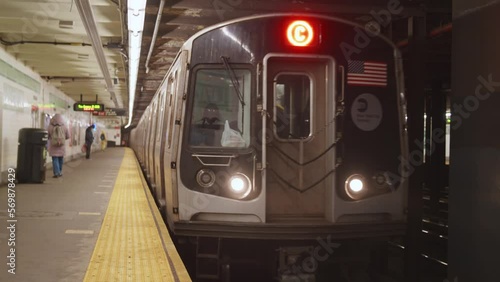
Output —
<point x="89" y="139"/>
<point x="58" y="134"/>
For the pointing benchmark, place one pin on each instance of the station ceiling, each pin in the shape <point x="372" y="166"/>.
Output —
<point x="80" y="46"/>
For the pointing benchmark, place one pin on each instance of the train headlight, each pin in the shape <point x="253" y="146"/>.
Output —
<point x="240" y="185"/>
<point x="205" y="178"/>
<point x="355" y="186"/>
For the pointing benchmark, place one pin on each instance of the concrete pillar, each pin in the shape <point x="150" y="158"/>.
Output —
<point x="474" y="203"/>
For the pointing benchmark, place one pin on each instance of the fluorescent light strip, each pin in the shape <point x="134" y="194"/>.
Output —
<point x="135" y="22"/>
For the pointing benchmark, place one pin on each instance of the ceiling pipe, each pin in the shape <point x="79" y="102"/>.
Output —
<point x="75" y="79"/>
<point x="11" y="43"/>
<point x="155" y="33"/>
<point x="88" y="20"/>
<point x="76" y="44"/>
<point x="122" y="9"/>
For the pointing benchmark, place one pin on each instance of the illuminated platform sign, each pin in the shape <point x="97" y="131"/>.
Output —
<point x="111" y="112"/>
<point x="88" y="107"/>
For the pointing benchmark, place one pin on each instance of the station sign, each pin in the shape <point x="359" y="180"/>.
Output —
<point x="111" y="112"/>
<point x="88" y="107"/>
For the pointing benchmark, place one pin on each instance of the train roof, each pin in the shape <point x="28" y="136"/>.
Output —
<point x="187" y="44"/>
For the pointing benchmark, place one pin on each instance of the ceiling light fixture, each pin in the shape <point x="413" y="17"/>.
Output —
<point x="135" y="20"/>
<point x="83" y="56"/>
<point x="66" y="24"/>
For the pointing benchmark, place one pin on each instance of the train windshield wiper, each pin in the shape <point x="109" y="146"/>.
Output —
<point x="236" y="85"/>
<point x="234" y="80"/>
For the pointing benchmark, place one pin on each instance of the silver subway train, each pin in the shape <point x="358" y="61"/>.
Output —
<point x="279" y="126"/>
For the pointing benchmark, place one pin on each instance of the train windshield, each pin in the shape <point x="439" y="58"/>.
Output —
<point x="221" y="114"/>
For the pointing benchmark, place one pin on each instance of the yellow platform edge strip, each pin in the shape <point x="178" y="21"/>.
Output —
<point x="130" y="247"/>
<point x="172" y="253"/>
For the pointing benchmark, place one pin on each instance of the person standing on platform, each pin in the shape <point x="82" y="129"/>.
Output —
<point x="104" y="142"/>
<point x="58" y="134"/>
<point x="89" y="139"/>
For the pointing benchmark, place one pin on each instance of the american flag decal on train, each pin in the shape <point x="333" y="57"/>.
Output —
<point x="366" y="73"/>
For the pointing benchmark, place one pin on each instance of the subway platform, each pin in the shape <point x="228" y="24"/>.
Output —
<point x="98" y="222"/>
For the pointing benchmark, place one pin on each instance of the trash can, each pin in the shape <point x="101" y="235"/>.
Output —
<point x="31" y="155"/>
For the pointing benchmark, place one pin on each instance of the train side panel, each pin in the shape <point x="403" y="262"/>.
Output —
<point x="175" y="91"/>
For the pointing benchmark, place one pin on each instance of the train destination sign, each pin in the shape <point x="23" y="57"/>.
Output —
<point x="88" y="107"/>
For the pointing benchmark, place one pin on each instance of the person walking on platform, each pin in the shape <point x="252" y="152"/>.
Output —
<point x="58" y="134"/>
<point x="89" y="139"/>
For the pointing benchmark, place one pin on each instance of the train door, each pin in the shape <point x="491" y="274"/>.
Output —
<point x="152" y="131"/>
<point x="299" y="91"/>
<point x="159" y="148"/>
<point x="144" y="131"/>
<point x="147" y="129"/>
<point x="175" y="104"/>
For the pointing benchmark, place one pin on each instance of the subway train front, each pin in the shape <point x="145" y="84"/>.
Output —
<point x="279" y="126"/>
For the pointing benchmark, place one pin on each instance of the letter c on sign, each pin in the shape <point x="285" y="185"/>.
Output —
<point x="300" y="33"/>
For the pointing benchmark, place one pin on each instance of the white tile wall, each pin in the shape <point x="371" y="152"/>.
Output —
<point x="16" y="112"/>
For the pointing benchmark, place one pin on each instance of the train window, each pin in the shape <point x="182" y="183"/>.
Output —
<point x="172" y="85"/>
<point x="220" y="116"/>
<point x="161" y="115"/>
<point x="292" y="114"/>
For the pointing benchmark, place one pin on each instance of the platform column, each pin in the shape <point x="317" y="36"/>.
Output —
<point x="474" y="224"/>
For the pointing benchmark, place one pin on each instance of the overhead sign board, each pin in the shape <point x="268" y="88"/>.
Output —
<point x="88" y="107"/>
<point x="111" y="112"/>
